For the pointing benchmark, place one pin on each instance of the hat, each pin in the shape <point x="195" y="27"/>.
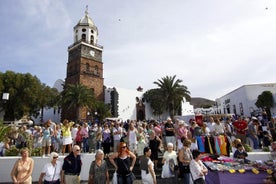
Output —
<point x="169" y="119"/>
<point x="254" y="119"/>
<point x="181" y="122"/>
<point x="52" y="155"/>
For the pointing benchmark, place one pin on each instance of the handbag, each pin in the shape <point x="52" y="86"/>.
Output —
<point x="131" y="173"/>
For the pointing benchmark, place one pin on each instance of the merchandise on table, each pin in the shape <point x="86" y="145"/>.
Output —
<point x="227" y="164"/>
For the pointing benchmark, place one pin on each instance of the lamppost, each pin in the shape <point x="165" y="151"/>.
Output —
<point x="95" y="117"/>
<point x="5" y="98"/>
<point x="88" y="114"/>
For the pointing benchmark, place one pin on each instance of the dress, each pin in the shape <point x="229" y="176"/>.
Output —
<point x="98" y="172"/>
<point x="154" y="145"/>
<point x="23" y="169"/>
<point x="132" y="140"/>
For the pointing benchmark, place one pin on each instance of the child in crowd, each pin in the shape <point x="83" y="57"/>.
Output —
<point x="235" y="142"/>
<point x="240" y="153"/>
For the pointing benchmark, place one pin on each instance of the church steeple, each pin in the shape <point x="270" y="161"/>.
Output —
<point x="86" y="30"/>
<point x="85" y="64"/>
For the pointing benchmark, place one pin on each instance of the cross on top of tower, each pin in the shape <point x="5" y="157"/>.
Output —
<point x="86" y="10"/>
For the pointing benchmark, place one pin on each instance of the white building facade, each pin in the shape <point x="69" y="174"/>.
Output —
<point x="130" y="105"/>
<point x="242" y="100"/>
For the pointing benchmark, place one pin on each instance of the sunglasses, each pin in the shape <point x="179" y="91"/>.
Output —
<point x="77" y="150"/>
<point x="123" y="146"/>
<point x="55" y="157"/>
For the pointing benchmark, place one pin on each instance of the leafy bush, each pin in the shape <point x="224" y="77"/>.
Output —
<point x="247" y="148"/>
<point x="266" y="149"/>
<point x="36" y="152"/>
<point x="13" y="151"/>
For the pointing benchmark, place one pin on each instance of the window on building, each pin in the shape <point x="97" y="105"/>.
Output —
<point x="87" y="67"/>
<point x="92" y="39"/>
<point x="241" y="108"/>
<point x="83" y="30"/>
<point x="234" y="109"/>
<point x="228" y="109"/>
<point x="83" y="37"/>
<point x="96" y="70"/>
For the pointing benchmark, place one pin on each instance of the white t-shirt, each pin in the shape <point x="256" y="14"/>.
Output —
<point x="132" y="138"/>
<point x="52" y="173"/>
<point x="116" y="136"/>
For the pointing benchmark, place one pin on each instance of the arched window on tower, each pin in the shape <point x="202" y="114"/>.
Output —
<point x="87" y="67"/>
<point x="92" y="39"/>
<point x="96" y="70"/>
<point x="83" y="37"/>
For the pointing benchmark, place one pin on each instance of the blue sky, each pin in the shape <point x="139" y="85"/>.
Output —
<point x="214" y="46"/>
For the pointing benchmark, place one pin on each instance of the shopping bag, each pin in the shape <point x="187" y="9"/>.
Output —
<point x="114" y="178"/>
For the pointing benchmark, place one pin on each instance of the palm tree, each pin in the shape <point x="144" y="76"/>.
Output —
<point x="77" y="96"/>
<point x="172" y="92"/>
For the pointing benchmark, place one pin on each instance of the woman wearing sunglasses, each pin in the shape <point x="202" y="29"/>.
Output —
<point x="124" y="164"/>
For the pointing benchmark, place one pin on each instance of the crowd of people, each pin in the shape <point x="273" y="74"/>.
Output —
<point x="123" y="142"/>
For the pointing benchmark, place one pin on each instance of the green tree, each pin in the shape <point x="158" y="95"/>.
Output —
<point x="24" y="94"/>
<point x="170" y="94"/>
<point x="77" y="96"/>
<point x="265" y="101"/>
<point x="155" y="99"/>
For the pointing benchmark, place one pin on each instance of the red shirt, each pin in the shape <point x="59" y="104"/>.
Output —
<point x="240" y="126"/>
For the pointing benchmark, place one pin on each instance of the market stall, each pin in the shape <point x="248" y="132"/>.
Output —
<point x="225" y="170"/>
<point x="218" y="177"/>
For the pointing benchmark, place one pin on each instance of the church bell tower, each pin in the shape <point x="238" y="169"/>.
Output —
<point x="85" y="64"/>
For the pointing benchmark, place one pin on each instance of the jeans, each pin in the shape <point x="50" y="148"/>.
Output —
<point x="186" y="178"/>
<point x="125" y="179"/>
<point x="255" y="141"/>
<point x="85" y="145"/>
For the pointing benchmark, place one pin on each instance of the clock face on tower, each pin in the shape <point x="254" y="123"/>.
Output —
<point x="92" y="53"/>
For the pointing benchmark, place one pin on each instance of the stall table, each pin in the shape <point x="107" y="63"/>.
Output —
<point x="225" y="177"/>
